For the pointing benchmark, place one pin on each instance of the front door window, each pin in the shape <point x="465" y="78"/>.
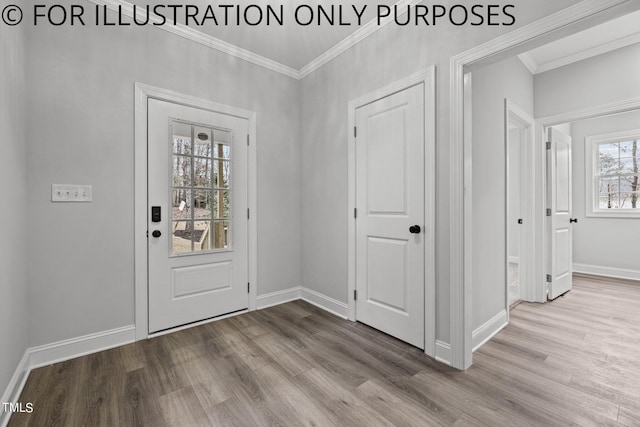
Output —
<point x="200" y="188"/>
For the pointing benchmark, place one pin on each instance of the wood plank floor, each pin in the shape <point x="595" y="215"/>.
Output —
<point x="574" y="361"/>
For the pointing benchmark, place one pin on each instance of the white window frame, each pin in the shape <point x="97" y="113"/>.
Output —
<point x="591" y="167"/>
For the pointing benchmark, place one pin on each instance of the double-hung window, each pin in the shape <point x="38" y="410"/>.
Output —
<point x="613" y="174"/>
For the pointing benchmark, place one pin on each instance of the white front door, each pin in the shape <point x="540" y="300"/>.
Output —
<point x="560" y="221"/>
<point x="390" y="240"/>
<point x="197" y="214"/>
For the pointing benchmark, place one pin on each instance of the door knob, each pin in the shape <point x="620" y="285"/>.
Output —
<point x="573" y="220"/>
<point x="415" y="229"/>
<point x="156" y="233"/>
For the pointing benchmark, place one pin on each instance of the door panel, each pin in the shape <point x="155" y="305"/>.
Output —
<point x="562" y="247"/>
<point x="387" y="252"/>
<point x="199" y="279"/>
<point x="198" y="265"/>
<point x="390" y="193"/>
<point x="386" y="151"/>
<point x="559" y="165"/>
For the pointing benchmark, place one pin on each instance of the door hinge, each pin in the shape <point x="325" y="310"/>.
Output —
<point x="147" y="234"/>
<point x="548" y="145"/>
<point x="248" y="214"/>
<point x="549" y="278"/>
<point x="248" y="287"/>
<point x="355" y="132"/>
<point x="355" y="295"/>
<point x="355" y="212"/>
<point x="247" y="139"/>
<point x="548" y="212"/>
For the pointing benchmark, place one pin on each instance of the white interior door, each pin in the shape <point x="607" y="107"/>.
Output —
<point x="560" y="221"/>
<point x="197" y="214"/>
<point x="390" y="243"/>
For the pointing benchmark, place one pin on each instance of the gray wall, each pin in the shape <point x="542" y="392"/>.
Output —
<point x="80" y="130"/>
<point x="490" y="86"/>
<point x="390" y="54"/>
<point x="15" y="231"/>
<point x="596" y="81"/>
<point x="605" y="242"/>
<point x="607" y="78"/>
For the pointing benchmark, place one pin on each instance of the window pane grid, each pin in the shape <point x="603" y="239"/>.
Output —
<point x="622" y="175"/>
<point x="617" y="174"/>
<point x="200" y="189"/>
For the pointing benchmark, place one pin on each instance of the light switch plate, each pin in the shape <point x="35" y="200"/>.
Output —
<point x="71" y="193"/>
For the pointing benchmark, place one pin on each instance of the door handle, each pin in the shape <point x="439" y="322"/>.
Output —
<point x="156" y="233"/>
<point x="573" y="220"/>
<point x="415" y="229"/>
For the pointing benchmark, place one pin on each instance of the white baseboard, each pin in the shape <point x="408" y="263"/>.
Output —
<point x="15" y="386"/>
<point x="326" y="303"/>
<point x="596" y="270"/>
<point x="60" y="351"/>
<point x="278" y="297"/>
<point x="322" y="301"/>
<point x="485" y="332"/>
<point x="443" y="352"/>
<point x="75" y="347"/>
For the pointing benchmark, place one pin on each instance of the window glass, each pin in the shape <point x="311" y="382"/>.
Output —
<point x="200" y="190"/>
<point x="617" y="174"/>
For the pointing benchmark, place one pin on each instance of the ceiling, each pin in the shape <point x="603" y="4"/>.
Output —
<point x="611" y="35"/>
<point x="297" y="50"/>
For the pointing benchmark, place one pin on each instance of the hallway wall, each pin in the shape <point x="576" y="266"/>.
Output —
<point x="491" y="84"/>
<point x="600" y="80"/>
<point x="604" y="242"/>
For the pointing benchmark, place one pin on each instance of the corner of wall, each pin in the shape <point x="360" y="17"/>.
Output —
<point x="13" y="246"/>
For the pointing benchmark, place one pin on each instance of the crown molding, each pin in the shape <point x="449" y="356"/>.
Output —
<point x="589" y="53"/>
<point x="528" y="61"/>
<point x="354" y="38"/>
<point x="126" y="9"/>
<point x="188" y="33"/>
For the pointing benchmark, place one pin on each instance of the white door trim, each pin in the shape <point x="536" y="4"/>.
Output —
<point x="142" y="93"/>
<point x="544" y="30"/>
<point x="427" y="78"/>
<point x="531" y="266"/>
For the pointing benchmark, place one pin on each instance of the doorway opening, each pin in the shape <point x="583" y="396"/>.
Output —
<point x="467" y="318"/>
<point x="519" y="140"/>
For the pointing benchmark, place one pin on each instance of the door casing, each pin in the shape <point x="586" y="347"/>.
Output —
<point x="142" y="93"/>
<point x="530" y="268"/>
<point x="427" y="78"/>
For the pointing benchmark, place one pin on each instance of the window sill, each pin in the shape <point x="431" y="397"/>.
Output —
<point x="617" y="214"/>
